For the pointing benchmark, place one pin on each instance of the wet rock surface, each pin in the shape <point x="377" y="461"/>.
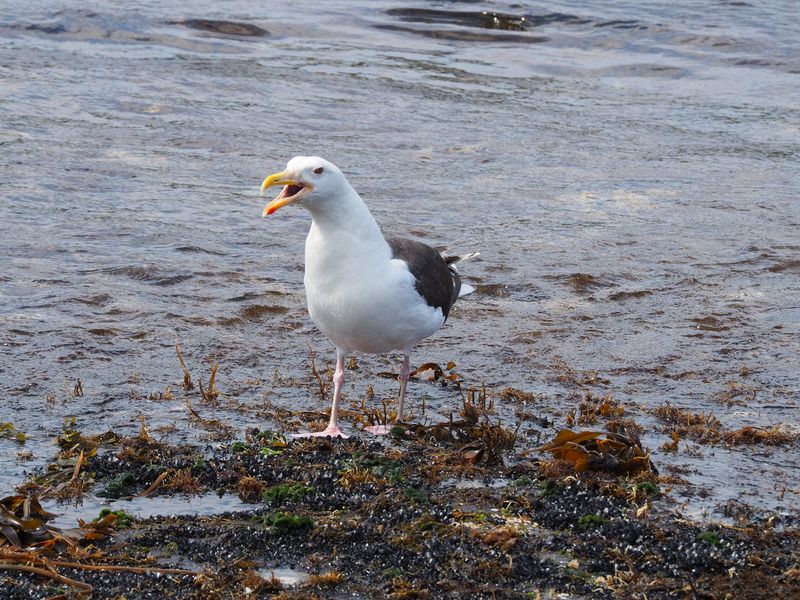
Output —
<point x="398" y="518"/>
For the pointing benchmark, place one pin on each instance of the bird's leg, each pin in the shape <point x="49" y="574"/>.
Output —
<point x="333" y="425"/>
<point x="405" y="372"/>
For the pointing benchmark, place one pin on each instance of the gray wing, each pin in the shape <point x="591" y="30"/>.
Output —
<point x="436" y="281"/>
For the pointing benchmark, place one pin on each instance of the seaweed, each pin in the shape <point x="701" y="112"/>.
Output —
<point x="450" y="509"/>
<point x="707" y="429"/>
<point x="598" y="451"/>
<point x="284" y="522"/>
<point x="772" y="436"/>
<point x="285" y="493"/>
<point x="210" y="394"/>
<point x="122" y="520"/>
<point x="8" y="431"/>
<point x="187" y="384"/>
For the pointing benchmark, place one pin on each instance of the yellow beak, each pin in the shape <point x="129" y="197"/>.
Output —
<point x="283" y="198"/>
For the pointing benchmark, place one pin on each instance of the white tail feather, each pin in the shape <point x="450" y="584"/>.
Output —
<point x="454" y="260"/>
<point x="465" y="290"/>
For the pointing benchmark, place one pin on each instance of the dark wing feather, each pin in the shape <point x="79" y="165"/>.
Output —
<point x="437" y="282"/>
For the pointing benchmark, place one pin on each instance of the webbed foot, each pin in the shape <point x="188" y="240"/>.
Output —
<point x="328" y="432"/>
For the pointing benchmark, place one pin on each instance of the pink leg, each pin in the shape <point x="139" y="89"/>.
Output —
<point x="333" y="425"/>
<point x="405" y="371"/>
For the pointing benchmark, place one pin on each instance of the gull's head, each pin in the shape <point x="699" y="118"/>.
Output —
<point x="306" y="180"/>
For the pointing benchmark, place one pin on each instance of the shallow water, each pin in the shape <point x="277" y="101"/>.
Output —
<point x="629" y="175"/>
<point x="144" y="508"/>
<point x="287" y="576"/>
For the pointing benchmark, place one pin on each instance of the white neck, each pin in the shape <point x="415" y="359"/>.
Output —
<point x="346" y="220"/>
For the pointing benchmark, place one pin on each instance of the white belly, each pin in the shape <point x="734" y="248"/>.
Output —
<point x="366" y="302"/>
<point x="367" y="315"/>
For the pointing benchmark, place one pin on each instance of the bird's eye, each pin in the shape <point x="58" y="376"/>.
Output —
<point x="319" y="170"/>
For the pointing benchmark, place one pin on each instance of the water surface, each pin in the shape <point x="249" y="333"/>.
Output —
<point x="628" y="173"/>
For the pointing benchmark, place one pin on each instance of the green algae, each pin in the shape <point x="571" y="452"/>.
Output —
<point x="8" y="431"/>
<point x="286" y="492"/>
<point x="591" y="520"/>
<point x="281" y="521"/>
<point x="123" y="521"/>
<point x="709" y="537"/>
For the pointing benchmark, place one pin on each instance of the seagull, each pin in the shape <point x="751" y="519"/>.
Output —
<point x="366" y="293"/>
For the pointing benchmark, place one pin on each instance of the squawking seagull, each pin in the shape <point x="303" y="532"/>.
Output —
<point x="365" y="293"/>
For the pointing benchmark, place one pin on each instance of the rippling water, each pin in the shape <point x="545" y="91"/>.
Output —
<point x="628" y="173"/>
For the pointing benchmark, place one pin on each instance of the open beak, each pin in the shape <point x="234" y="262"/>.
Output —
<point x="293" y="190"/>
